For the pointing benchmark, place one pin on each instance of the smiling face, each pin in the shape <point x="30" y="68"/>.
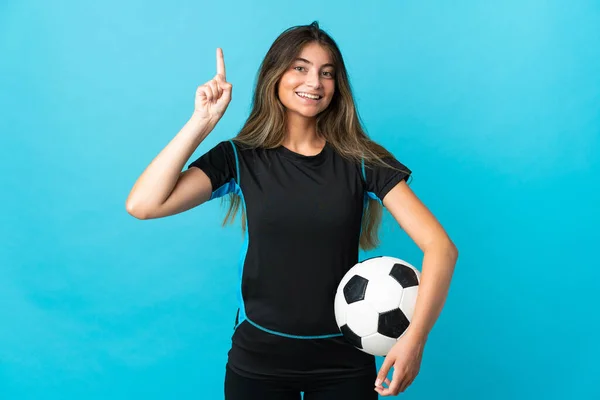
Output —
<point x="308" y="85"/>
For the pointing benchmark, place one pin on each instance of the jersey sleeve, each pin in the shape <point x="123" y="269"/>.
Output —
<point x="220" y="165"/>
<point x="379" y="180"/>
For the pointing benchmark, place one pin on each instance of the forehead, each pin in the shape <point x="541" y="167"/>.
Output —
<point x="316" y="54"/>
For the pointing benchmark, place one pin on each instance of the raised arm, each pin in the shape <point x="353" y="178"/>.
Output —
<point x="163" y="189"/>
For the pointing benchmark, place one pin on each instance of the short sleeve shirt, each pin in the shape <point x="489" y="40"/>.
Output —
<point x="303" y="221"/>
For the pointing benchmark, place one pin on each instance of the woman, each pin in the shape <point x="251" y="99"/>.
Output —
<point x="311" y="185"/>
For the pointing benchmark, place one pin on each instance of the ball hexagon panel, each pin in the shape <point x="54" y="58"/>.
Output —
<point x="377" y="344"/>
<point x="405" y="275"/>
<point x="392" y="323"/>
<point x="362" y="318"/>
<point x="346" y="278"/>
<point x="384" y="293"/>
<point x="355" y="289"/>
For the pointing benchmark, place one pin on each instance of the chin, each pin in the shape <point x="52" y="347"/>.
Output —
<point x="306" y="113"/>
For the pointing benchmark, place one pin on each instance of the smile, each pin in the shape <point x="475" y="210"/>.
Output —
<point x="308" y="97"/>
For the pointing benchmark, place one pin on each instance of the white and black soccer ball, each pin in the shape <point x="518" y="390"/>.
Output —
<point x="374" y="303"/>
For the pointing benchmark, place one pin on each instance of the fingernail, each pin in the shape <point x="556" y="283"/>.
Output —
<point x="378" y="382"/>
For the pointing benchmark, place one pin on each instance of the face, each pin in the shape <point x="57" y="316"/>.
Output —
<point x="307" y="87"/>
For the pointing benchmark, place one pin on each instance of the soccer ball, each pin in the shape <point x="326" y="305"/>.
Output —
<point x="374" y="303"/>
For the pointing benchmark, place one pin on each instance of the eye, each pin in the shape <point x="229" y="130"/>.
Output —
<point x="296" y="68"/>
<point x="328" y="73"/>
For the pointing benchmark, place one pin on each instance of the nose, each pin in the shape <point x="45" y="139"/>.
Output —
<point x="313" y="79"/>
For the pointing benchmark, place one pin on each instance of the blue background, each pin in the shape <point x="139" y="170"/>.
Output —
<point x="494" y="105"/>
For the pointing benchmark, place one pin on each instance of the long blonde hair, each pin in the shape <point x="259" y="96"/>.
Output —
<point x="339" y="124"/>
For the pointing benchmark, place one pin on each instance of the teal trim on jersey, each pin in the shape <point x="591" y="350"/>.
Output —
<point x="374" y="197"/>
<point x="235" y="188"/>
<point x="237" y="163"/>
<point x="368" y="194"/>
<point x="293" y="336"/>
<point x="231" y="186"/>
<point x="364" y="175"/>
<point x="242" y="316"/>
<point x="227" y="188"/>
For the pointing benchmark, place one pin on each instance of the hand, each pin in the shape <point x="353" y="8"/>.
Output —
<point x="214" y="96"/>
<point x="405" y="356"/>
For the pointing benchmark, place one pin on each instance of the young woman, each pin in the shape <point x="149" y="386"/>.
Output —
<point x="311" y="185"/>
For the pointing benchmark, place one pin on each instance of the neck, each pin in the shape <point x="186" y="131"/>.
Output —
<point x="301" y="133"/>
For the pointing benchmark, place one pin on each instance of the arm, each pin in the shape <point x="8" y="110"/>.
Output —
<point x="439" y="259"/>
<point x="162" y="189"/>
<point x="439" y="256"/>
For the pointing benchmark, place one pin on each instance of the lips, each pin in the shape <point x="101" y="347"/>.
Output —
<point x="307" y="99"/>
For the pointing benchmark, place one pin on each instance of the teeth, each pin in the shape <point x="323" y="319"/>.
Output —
<point x="309" y="96"/>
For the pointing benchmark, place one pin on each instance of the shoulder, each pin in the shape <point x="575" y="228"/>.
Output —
<point x="381" y="176"/>
<point x="386" y="162"/>
<point x="240" y="147"/>
<point x="231" y="149"/>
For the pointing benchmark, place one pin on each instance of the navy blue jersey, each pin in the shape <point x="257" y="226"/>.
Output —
<point x="303" y="216"/>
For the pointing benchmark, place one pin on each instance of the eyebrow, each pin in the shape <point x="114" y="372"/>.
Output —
<point x="308" y="62"/>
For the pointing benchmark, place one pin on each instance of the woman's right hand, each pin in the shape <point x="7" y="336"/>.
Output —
<point x="214" y="96"/>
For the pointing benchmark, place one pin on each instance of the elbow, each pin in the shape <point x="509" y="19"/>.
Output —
<point x="449" y="244"/>
<point x="450" y="247"/>
<point x="454" y="251"/>
<point x="445" y="246"/>
<point x="136" y="211"/>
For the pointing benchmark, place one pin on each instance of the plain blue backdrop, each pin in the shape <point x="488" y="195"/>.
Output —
<point x="495" y="106"/>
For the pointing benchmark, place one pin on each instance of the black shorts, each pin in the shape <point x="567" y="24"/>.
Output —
<point x="238" y="387"/>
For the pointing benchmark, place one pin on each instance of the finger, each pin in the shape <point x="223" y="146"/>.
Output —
<point x="201" y="91"/>
<point x="220" y="63"/>
<point x="403" y="386"/>
<point x="210" y="95"/>
<point x="219" y="87"/>
<point x="226" y="86"/>
<point x="226" y="92"/>
<point x="215" y="88"/>
<point x="394" y="386"/>
<point x="386" y="382"/>
<point x="383" y="372"/>
<point x="380" y="389"/>
<point x="406" y="384"/>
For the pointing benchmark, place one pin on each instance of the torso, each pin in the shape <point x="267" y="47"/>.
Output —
<point x="303" y="218"/>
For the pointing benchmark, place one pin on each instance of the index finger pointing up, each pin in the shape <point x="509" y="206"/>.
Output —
<point x="220" y="63"/>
